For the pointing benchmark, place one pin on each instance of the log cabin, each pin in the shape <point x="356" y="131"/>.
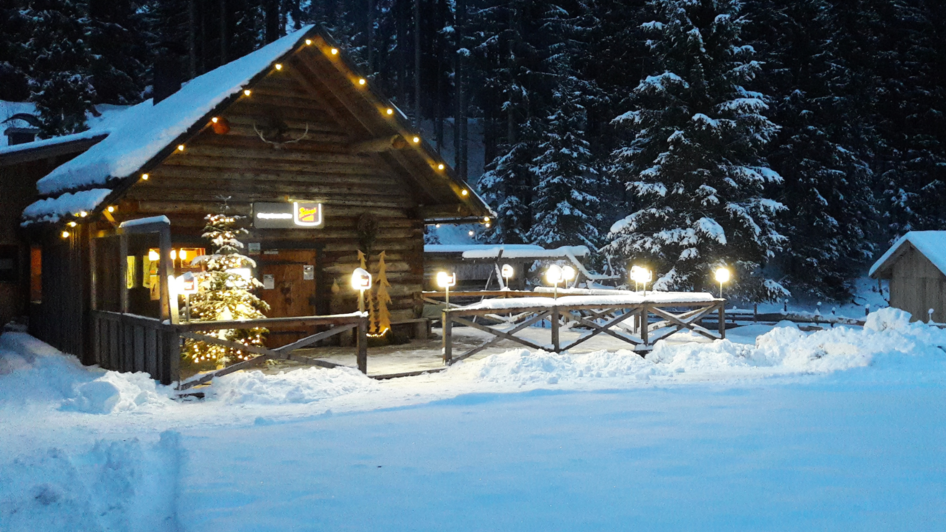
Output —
<point x="915" y="267"/>
<point x="291" y="138"/>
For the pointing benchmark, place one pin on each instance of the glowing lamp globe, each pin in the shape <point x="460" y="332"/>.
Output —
<point x="641" y="275"/>
<point x="554" y="275"/>
<point x="508" y="271"/>
<point x="187" y="284"/>
<point x="446" y="280"/>
<point x="723" y="275"/>
<point x="569" y="274"/>
<point x="360" y="279"/>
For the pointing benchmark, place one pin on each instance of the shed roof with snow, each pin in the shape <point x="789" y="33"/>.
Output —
<point x="931" y="244"/>
<point x="144" y="136"/>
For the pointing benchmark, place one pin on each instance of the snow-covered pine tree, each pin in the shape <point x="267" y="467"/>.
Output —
<point x="911" y="116"/>
<point x="566" y="208"/>
<point x="694" y="163"/>
<point x="224" y="294"/>
<point x="831" y="217"/>
<point x="14" y="66"/>
<point x="120" y="51"/>
<point x="60" y="58"/>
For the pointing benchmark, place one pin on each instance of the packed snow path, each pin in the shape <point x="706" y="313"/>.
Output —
<point x="834" y="430"/>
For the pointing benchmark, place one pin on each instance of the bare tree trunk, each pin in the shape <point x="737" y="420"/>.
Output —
<point x="369" y="37"/>
<point x="438" y="119"/>
<point x="272" y="20"/>
<point x="192" y="37"/>
<point x="417" y="64"/>
<point x="459" y="125"/>
<point x="224" y="32"/>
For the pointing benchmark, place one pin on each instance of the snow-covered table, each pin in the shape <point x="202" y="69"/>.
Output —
<point x="599" y="314"/>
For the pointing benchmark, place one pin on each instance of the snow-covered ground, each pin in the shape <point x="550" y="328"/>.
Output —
<point x="773" y="429"/>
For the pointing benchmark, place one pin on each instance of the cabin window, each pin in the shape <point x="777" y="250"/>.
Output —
<point x="9" y="264"/>
<point x="36" y="274"/>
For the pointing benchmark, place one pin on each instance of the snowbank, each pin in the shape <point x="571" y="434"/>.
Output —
<point x="888" y="339"/>
<point x="33" y="373"/>
<point x="118" y="485"/>
<point x="308" y="385"/>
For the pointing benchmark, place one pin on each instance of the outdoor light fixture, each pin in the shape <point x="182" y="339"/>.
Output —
<point x="83" y="214"/>
<point x="554" y="275"/>
<point x="145" y="177"/>
<point x="173" y="254"/>
<point x="568" y="274"/>
<point x="722" y="276"/>
<point x="361" y="281"/>
<point x="508" y="272"/>
<point x="362" y="81"/>
<point x="641" y="276"/>
<point x="334" y="51"/>
<point x="440" y="166"/>
<point x="153" y="255"/>
<point x="111" y="208"/>
<point x="464" y="192"/>
<point x="416" y="140"/>
<point x="308" y="41"/>
<point x="278" y="67"/>
<point x="389" y="111"/>
<point x="180" y="147"/>
<point x="72" y="224"/>
<point x="247" y="92"/>
<point x="65" y="234"/>
<point x="446" y="281"/>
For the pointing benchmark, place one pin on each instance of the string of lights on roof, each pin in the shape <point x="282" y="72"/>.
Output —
<point x="221" y="126"/>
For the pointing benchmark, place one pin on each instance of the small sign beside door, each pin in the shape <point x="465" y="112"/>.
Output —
<point x="308" y="273"/>
<point x="269" y="282"/>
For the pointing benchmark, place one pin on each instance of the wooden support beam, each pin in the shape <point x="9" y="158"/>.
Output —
<point x="378" y="145"/>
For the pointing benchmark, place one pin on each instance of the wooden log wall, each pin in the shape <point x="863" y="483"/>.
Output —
<point x="321" y="167"/>
<point x="918" y="285"/>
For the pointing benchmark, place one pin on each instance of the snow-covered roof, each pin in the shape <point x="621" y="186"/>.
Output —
<point x="142" y="136"/>
<point x="932" y="244"/>
<point x="101" y="124"/>
<point x="510" y="251"/>
<point x="145" y="130"/>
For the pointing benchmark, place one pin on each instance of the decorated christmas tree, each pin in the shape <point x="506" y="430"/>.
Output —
<point x="225" y="293"/>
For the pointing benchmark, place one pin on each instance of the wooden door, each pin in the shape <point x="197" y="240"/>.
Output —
<point x="288" y="278"/>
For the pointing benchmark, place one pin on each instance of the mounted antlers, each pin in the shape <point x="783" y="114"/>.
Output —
<point x="279" y="131"/>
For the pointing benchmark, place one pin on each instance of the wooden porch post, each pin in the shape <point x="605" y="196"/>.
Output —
<point x="363" y="345"/>
<point x="722" y="320"/>
<point x="123" y="246"/>
<point x="644" y="331"/>
<point x="447" y="338"/>
<point x="555" y="325"/>
<point x="169" y="309"/>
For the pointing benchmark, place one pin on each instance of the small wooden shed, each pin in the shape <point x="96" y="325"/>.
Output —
<point x="915" y="268"/>
<point x="292" y="138"/>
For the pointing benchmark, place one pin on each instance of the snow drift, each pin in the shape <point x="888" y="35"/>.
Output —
<point x="33" y="373"/>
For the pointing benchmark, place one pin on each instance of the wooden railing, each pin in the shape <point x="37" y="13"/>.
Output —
<point x="627" y="322"/>
<point x="129" y="343"/>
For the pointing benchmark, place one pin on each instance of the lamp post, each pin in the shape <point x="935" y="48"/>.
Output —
<point x="361" y="281"/>
<point x="446" y="280"/>
<point x="507" y="272"/>
<point x="553" y="276"/>
<point x="641" y="276"/>
<point x="187" y="285"/>
<point x="722" y="276"/>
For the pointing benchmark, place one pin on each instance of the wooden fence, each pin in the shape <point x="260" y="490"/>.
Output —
<point x="593" y="318"/>
<point x="126" y="342"/>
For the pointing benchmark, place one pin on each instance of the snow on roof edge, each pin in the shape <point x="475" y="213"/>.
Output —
<point x="143" y="131"/>
<point x="932" y="244"/>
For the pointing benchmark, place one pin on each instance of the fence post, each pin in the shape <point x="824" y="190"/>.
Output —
<point x="555" y="324"/>
<point x="722" y="320"/>
<point x="447" y="338"/>
<point x="644" y="327"/>
<point x="363" y="345"/>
